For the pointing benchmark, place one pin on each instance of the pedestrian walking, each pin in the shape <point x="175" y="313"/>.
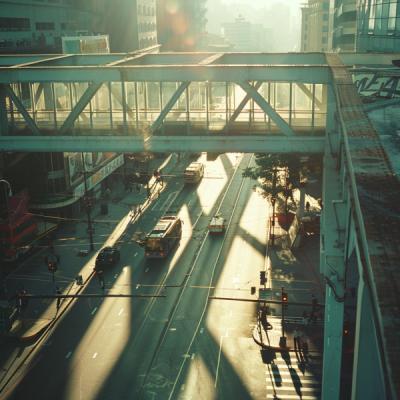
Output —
<point x="18" y="300"/>
<point x="314" y="309"/>
<point x="304" y="318"/>
<point x="58" y="292"/>
<point x="304" y="348"/>
<point x="24" y="299"/>
<point x="296" y="340"/>
<point x="101" y="278"/>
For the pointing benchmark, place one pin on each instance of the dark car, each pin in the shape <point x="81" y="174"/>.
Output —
<point x="107" y="256"/>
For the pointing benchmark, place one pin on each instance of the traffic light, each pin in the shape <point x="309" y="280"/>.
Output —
<point x="346" y="328"/>
<point x="263" y="278"/>
<point x="52" y="266"/>
<point x="284" y="297"/>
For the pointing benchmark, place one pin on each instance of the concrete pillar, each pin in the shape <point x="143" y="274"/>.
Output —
<point x="3" y="112"/>
<point x="368" y="380"/>
<point x="333" y="241"/>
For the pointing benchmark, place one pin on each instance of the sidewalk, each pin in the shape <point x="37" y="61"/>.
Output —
<point x="301" y="265"/>
<point x="33" y="276"/>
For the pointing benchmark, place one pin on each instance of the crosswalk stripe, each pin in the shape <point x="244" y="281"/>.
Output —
<point x="307" y="387"/>
<point x="303" y="378"/>
<point x="296" y="396"/>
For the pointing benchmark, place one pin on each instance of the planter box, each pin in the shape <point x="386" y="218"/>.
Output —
<point x="285" y="220"/>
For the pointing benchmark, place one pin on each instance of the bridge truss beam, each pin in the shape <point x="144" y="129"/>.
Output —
<point x="161" y="144"/>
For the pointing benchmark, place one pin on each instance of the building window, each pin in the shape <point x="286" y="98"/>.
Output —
<point x="392" y="17"/>
<point x="371" y="21"/>
<point x="15" y="24"/>
<point x="45" y="26"/>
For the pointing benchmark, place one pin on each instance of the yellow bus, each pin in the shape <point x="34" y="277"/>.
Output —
<point x="193" y="173"/>
<point x="162" y="239"/>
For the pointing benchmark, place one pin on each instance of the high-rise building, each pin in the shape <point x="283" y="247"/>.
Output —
<point x="378" y="26"/>
<point x="28" y="26"/>
<point x="344" y="25"/>
<point x="37" y="25"/>
<point x="315" y="26"/>
<point x="131" y="24"/>
<point x="246" y="36"/>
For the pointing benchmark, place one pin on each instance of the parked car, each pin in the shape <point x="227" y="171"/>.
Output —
<point x="107" y="256"/>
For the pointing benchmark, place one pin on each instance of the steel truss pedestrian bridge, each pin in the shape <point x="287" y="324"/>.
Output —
<point x="246" y="102"/>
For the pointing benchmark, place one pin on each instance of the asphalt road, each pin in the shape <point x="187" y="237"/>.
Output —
<point x="182" y="345"/>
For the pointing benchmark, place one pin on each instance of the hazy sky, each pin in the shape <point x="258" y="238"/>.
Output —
<point x="293" y="4"/>
<point x="281" y="17"/>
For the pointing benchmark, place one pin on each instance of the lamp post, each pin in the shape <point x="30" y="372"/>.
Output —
<point x="87" y="205"/>
<point x="6" y="195"/>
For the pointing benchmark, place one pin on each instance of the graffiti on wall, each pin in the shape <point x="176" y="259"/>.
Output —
<point x="374" y="85"/>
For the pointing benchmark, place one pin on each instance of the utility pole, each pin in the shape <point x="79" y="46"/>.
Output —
<point x="87" y="205"/>
<point x="284" y="301"/>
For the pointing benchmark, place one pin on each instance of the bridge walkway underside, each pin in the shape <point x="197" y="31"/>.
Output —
<point x="229" y="102"/>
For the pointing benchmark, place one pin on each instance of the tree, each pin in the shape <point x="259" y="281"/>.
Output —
<point x="279" y="175"/>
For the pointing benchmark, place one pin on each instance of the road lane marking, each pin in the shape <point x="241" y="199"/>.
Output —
<point x="219" y="359"/>
<point x="68" y="355"/>
<point x="121" y="311"/>
<point x="94" y="355"/>
<point x="94" y="310"/>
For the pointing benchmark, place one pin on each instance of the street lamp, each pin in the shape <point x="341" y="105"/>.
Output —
<point x="87" y="205"/>
<point x="6" y="195"/>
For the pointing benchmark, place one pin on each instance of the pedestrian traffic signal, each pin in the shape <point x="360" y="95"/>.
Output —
<point x="284" y="297"/>
<point x="263" y="278"/>
<point x="52" y="266"/>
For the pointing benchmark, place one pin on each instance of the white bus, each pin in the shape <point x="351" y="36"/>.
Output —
<point x="193" y="173"/>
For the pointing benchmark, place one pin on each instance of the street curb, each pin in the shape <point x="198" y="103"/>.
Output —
<point x="148" y="201"/>
<point x="267" y="346"/>
<point x="33" y="336"/>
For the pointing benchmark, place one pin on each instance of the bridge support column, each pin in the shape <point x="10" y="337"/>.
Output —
<point x="3" y="111"/>
<point x="333" y="243"/>
<point x="368" y="380"/>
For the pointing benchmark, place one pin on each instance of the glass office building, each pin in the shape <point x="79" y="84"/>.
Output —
<point x="378" y="26"/>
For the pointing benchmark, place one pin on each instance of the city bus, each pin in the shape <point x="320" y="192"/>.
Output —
<point x="193" y="173"/>
<point x="163" y="238"/>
